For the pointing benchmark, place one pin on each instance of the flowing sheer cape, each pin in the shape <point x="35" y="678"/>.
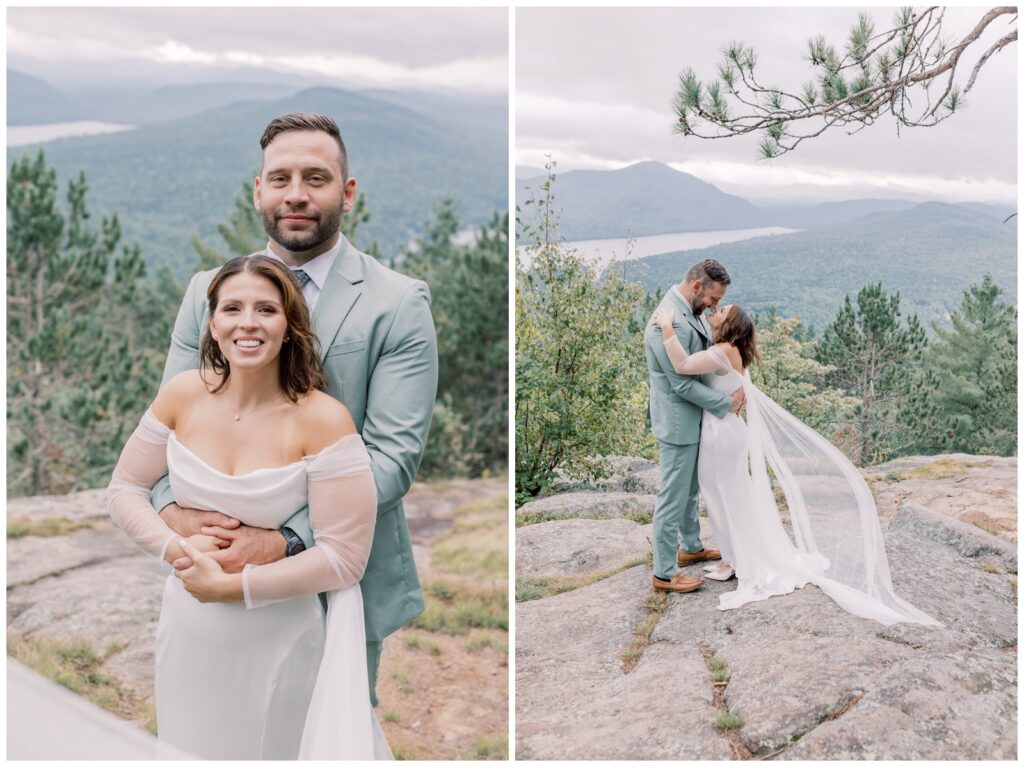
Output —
<point x="832" y="512"/>
<point x="833" y="516"/>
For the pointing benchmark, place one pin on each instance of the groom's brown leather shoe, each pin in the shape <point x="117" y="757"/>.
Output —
<point x="684" y="558"/>
<point x="679" y="582"/>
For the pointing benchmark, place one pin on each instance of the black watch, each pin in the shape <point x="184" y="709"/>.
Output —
<point x="293" y="543"/>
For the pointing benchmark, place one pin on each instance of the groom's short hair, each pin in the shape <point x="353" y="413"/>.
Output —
<point x="306" y="121"/>
<point x="708" y="271"/>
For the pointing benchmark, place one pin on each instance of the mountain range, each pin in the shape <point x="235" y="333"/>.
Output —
<point x="175" y="176"/>
<point x="929" y="252"/>
<point x="651" y="198"/>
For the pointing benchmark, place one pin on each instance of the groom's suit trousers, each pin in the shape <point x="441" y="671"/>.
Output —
<point x="675" y="516"/>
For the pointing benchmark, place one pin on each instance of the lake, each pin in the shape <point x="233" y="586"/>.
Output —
<point x="602" y="252"/>
<point x="20" y="135"/>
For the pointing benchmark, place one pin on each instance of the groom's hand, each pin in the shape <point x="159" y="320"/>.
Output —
<point x="246" y="545"/>
<point x="739" y="399"/>
<point x="189" y="522"/>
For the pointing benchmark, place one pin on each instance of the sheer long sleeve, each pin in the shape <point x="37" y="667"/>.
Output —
<point x="713" y="360"/>
<point x="143" y="461"/>
<point x="343" y="513"/>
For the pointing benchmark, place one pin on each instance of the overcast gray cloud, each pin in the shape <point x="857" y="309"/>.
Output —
<point x="459" y="48"/>
<point x="594" y="86"/>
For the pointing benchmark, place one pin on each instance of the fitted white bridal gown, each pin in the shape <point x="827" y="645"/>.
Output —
<point x="266" y="678"/>
<point x="836" y="539"/>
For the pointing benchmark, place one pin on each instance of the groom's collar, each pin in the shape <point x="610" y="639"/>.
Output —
<point x="318" y="267"/>
<point x="349" y="263"/>
<point x="681" y="297"/>
<point x="683" y="300"/>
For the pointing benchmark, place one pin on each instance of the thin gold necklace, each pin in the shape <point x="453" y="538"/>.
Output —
<point x="238" y="416"/>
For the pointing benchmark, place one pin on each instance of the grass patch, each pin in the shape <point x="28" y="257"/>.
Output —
<point x="76" y="665"/>
<point x="48" y="527"/>
<point x="443" y="591"/>
<point x="474" y="553"/>
<point x="717" y="664"/>
<point x="391" y="716"/>
<point x="480" y="641"/>
<point x="943" y="468"/>
<point x="989" y="567"/>
<point x="894" y="476"/>
<point x="477" y="544"/>
<point x="404" y="685"/>
<point x="524" y="518"/>
<point x="729" y="720"/>
<point x="642" y="517"/>
<point x="721" y="676"/>
<point x="406" y="754"/>
<point x="486" y="610"/>
<point x="655" y="604"/>
<point x="538" y="588"/>
<point x="491" y="748"/>
<point x="412" y="643"/>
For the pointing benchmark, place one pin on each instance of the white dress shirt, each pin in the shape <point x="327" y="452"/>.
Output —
<point x="317" y="268"/>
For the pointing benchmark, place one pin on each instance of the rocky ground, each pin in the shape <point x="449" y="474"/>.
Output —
<point x="632" y="675"/>
<point x="77" y="586"/>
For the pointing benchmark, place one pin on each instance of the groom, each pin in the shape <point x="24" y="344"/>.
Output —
<point x="677" y="403"/>
<point x="379" y="353"/>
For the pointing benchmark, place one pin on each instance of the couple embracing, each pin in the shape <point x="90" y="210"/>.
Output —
<point x="699" y="384"/>
<point x="268" y="474"/>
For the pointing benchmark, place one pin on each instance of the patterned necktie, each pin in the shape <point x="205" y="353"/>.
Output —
<point x="301" y="276"/>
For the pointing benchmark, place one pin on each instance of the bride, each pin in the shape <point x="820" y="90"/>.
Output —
<point x="837" y="539"/>
<point x="247" y="667"/>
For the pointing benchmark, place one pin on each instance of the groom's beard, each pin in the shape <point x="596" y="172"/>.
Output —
<point x="327" y="225"/>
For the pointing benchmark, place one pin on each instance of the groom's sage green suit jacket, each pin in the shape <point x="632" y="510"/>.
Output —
<point x="677" y="401"/>
<point x="380" y="354"/>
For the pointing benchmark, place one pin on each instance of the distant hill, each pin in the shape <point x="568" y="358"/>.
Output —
<point x="527" y="172"/>
<point x="646" y="198"/>
<point x="32" y="101"/>
<point x="930" y="252"/>
<point x="652" y="198"/>
<point x="146" y="106"/>
<point x="170" y="179"/>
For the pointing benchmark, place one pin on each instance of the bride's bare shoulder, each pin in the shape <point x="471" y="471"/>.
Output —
<point x="324" y="420"/>
<point x="177" y="395"/>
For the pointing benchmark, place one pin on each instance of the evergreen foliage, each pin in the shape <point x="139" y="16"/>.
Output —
<point x="581" y="378"/>
<point x="80" y="365"/>
<point x="907" y="71"/>
<point x="469" y="300"/>
<point x="872" y="352"/>
<point x="964" y="400"/>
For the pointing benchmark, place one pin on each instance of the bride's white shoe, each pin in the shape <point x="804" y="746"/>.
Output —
<point x="721" y="574"/>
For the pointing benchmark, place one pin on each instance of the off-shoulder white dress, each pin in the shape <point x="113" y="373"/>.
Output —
<point x="267" y="678"/>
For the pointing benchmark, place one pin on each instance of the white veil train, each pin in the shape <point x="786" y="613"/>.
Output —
<point x="834" y="519"/>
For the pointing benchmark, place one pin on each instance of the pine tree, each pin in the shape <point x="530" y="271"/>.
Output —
<point x="78" y="375"/>
<point x="871" y="352"/>
<point x="965" y="398"/>
<point x="469" y="290"/>
<point x="581" y="376"/>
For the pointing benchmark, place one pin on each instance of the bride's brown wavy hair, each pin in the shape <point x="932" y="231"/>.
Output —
<point x="299" y="369"/>
<point x="738" y="329"/>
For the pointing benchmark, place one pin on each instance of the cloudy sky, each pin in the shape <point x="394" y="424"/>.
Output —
<point x="465" y="49"/>
<point x="594" y="88"/>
